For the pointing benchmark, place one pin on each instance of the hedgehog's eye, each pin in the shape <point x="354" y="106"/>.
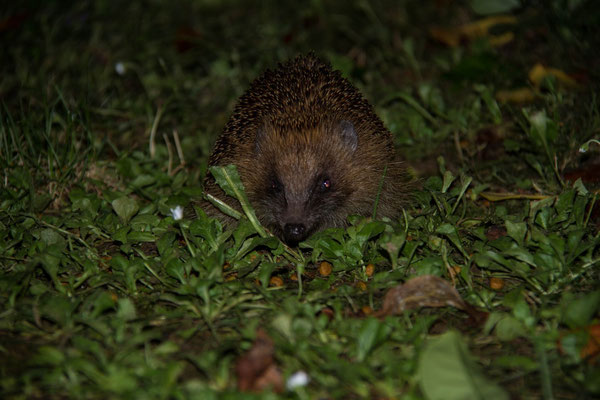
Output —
<point x="325" y="184"/>
<point x="276" y="186"/>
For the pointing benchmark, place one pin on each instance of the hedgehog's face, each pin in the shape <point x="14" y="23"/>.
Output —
<point x="304" y="187"/>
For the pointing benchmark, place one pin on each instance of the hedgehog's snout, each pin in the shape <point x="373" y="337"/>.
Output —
<point x="294" y="222"/>
<point x="294" y="233"/>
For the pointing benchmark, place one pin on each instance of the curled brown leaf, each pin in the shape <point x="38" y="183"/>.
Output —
<point x="256" y="370"/>
<point x="425" y="291"/>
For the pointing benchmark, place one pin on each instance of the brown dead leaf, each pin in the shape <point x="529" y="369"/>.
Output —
<point x="518" y="96"/>
<point x="588" y="174"/>
<point x="454" y="36"/>
<point x="495" y="232"/>
<point x="491" y="196"/>
<point x="538" y="73"/>
<point x="328" y="312"/>
<point x="186" y="38"/>
<point x="422" y="291"/>
<point x="425" y="291"/>
<point x="490" y="144"/>
<point x="256" y="370"/>
<point x="366" y="310"/>
<point x="591" y="351"/>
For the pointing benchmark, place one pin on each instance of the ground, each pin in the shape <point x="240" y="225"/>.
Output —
<point x="486" y="288"/>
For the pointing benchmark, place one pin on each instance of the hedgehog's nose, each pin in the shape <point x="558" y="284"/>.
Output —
<point x="294" y="233"/>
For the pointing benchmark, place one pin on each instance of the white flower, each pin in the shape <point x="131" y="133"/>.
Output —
<point x="297" y="380"/>
<point x="177" y="213"/>
<point x="582" y="149"/>
<point x="120" y="68"/>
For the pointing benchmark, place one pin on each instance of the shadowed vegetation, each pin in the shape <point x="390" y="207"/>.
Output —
<point x="109" y="111"/>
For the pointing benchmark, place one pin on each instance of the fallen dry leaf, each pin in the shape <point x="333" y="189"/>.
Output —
<point x="490" y="144"/>
<point x="473" y="30"/>
<point x="588" y="174"/>
<point x="591" y="351"/>
<point x="328" y="312"/>
<point x="511" y="196"/>
<point x="520" y="95"/>
<point x="186" y="38"/>
<point x="538" y="73"/>
<point x="425" y="291"/>
<point x="256" y="370"/>
<point x="495" y="232"/>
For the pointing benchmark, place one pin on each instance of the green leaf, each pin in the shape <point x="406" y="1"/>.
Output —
<point x="393" y="244"/>
<point x="143" y="180"/>
<point x="369" y="230"/>
<point x="516" y="230"/>
<point x="447" y="372"/>
<point x="229" y="180"/>
<point x="509" y="328"/>
<point x="48" y="355"/>
<point x="166" y="243"/>
<point x="119" y="379"/>
<point x="264" y="273"/>
<point x="126" y="309"/>
<point x="121" y="234"/>
<point x="102" y="301"/>
<point x="488" y="97"/>
<point x="578" y="312"/>
<point x="370" y="335"/>
<point x="451" y="233"/>
<point x="140" y="237"/>
<point x="252" y="243"/>
<point x="125" y="208"/>
<point x="176" y="269"/>
<point x="448" y="179"/>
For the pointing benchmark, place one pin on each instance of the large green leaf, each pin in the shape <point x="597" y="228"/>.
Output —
<point x="447" y="372"/>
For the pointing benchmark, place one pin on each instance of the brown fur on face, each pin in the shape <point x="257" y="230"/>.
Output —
<point x="298" y="127"/>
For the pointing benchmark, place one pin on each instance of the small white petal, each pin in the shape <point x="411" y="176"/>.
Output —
<point x="120" y="68"/>
<point x="297" y="379"/>
<point x="582" y="150"/>
<point x="177" y="213"/>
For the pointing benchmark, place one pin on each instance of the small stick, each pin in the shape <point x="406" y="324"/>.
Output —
<point x="178" y="147"/>
<point x="157" y="117"/>
<point x="170" y="152"/>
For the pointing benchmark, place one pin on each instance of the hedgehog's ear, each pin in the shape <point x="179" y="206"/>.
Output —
<point x="348" y="134"/>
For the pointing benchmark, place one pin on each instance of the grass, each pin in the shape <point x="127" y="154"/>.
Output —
<point x="103" y="294"/>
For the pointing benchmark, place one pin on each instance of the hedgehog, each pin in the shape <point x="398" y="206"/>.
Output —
<point x="310" y="151"/>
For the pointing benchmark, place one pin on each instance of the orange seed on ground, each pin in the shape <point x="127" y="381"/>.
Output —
<point x="276" y="281"/>
<point x="325" y="268"/>
<point x="496" y="283"/>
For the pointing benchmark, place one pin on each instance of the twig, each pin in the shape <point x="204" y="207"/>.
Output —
<point x="157" y="117"/>
<point x="170" y="152"/>
<point x="178" y="147"/>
